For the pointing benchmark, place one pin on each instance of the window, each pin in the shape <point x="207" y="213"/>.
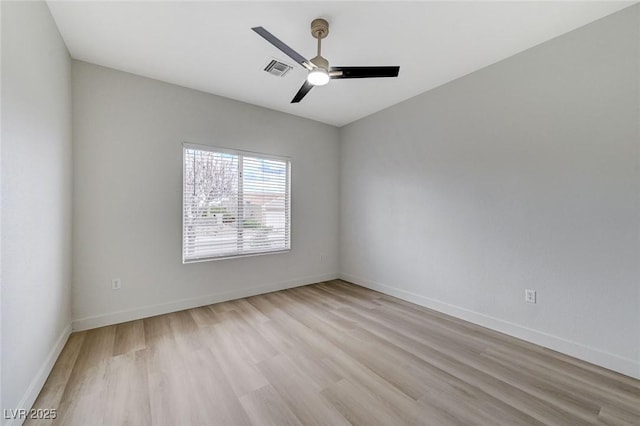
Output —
<point x="234" y="203"/>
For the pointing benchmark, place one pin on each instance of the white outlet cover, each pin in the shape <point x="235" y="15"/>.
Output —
<point x="530" y="295"/>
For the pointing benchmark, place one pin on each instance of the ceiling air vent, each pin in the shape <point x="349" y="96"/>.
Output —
<point x="277" y="68"/>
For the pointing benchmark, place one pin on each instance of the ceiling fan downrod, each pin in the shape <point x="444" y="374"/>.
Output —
<point x="320" y="30"/>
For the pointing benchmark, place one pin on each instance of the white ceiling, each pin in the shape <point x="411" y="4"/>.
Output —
<point x="209" y="46"/>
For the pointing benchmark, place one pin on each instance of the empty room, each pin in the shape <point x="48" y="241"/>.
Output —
<point x="320" y="213"/>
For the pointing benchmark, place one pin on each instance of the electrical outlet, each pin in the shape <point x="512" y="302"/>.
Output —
<point x="529" y="295"/>
<point x="115" y="284"/>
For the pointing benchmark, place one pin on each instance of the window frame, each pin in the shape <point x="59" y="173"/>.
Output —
<point x="241" y="154"/>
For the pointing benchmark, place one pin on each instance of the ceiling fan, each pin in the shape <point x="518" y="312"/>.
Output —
<point x="319" y="71"/>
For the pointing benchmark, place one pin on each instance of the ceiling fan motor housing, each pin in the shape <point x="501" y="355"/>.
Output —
<point x="319" y="28"/>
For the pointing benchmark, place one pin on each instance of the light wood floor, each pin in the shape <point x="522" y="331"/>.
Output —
<point x="331" y="353"/>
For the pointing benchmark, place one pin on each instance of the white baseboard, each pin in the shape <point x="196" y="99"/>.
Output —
<point x="179" y="305"/>
<point x="613" y="362"/>
<point x="41" y="376"/>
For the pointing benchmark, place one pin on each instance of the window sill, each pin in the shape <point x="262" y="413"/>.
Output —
<point x="234" y="256"/>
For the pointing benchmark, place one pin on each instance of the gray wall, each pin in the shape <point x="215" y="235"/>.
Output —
<point x="128" y="134"/>
<point x="36" y="199"/>
<point x="524" y="174"/>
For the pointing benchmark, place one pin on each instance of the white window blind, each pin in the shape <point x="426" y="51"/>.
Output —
<point x="234" y="203"/>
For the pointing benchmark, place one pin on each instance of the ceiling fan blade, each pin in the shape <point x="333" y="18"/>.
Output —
<point x="302" y="92"/>
<point x="283" y="47"/>
<point x="363" y="72"/>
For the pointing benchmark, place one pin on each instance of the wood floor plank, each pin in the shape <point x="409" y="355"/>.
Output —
<point x="303" y="353"/>
<point x="213" y="400"/>
<point x="265" y="407"/>
<point x="53" y="390"/>
<point x="357" y="406"/>
<point x="325" y="354"/>
<point x="388" y="396"/>
<point x="129" y="337"/>
<point x="167" y="378"/>
<point x="604" y="384"/>
<point x="254" y="344"/>
<point x="248" y="311"/>
<point x="85" y="386"/>
<point x="410" y="381"/>
<point x="514" y="378"/>
<point x="157" y="330"/>
<point x="204" y="316"/>
<point x="125" y="397"/>
<point x="613" y="415"/>
<point x="97" y="347"/>
<point x="517" y="346"/>
<point x="589" y="391"/>
<point x="465" y="370"/>
<point x="302" y="399"/>
<point x="340" y="296"/>
<point x="242" y="374"/>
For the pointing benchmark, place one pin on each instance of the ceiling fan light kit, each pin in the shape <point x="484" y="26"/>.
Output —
<point x="318" y="77"/>
<point x="319" y="72"/>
